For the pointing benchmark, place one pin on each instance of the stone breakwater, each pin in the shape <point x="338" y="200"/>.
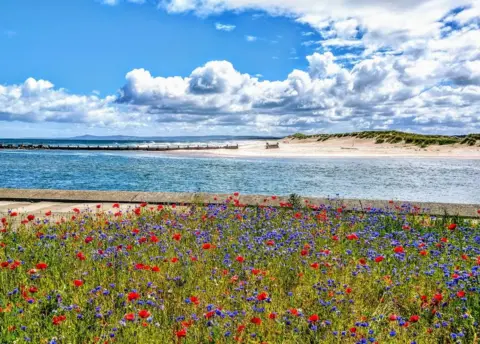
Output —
<point x="117" y="148"/>
<point x="36" y="200"/>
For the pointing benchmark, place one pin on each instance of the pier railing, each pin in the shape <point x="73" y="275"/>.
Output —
<point x="116" y="148"/>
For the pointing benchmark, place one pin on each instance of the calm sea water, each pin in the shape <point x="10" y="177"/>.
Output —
<point x="415" y="179"/>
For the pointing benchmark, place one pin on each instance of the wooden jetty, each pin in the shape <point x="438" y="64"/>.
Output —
<point x="114" y="148"/>
<point x="272" y="145"/>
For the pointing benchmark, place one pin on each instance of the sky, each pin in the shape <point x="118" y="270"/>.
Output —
<point x="238" y="67"/>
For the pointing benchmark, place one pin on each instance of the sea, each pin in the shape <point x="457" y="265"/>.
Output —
<point x="408" y="179"/>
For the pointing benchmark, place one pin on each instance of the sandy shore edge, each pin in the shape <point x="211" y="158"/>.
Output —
<point x="349" y="147"/>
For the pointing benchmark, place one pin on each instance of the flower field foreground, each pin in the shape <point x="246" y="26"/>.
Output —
<point x="233" y="274"/>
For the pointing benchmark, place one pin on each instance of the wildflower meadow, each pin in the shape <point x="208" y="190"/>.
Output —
<point x="228" y="273"/>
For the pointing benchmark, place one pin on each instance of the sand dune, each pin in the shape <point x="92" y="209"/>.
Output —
<point x="343" y="147"/>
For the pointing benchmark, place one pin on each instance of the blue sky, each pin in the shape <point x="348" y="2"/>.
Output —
<point x="238" y="67"/>
<point x="85" y="46"/>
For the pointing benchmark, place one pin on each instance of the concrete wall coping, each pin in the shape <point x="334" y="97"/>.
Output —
<point x="86" y="196"/>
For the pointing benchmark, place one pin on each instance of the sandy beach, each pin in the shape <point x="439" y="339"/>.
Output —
<point x="341" y="147"/>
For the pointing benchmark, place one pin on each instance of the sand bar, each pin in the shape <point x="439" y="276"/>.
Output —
<point x="341" y="148"/>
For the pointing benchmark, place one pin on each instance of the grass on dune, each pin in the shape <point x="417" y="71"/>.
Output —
<point x="394" y="137"/>
<point x="233" y="274"/>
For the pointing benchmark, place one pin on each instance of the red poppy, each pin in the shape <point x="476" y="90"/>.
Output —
<point x="298" y="215"/>
<point x="116" y="205"/>
<point x="176" y="236"/>
<point x="182" y="333"/>
<point x="88" y="239"/>
<point x="240" y="328"/>
<point x="48" y="213"/>
<point x="31" y="217"/>
<point x="133" y="295"/>
<point x="353" y="330"/>
<point x="209" y="314"/>
<point x="423" y="253"/>
<point x="78" y="283"/>
<point x="129" y="317"/>
<point x="154" y="239"/>
<point x="352" y="236"/>
<point x="98" y="206"/>
<point x="398" y="249"/>
<point x="438" y="297"/>
<point x="256" y="271"/>
<point x="293" y="311"/>
<point x="460" y="293"/>
<point x="414" y="318"/>
<point x="236" y="194"/>
<point x="33" y="289"/>
<point x="76" y="210"/>
<point x="207" y="246"/>
<point x="313" y="318"/>
<point x="57" y="320"/>
<point x="256" y="321"/>
<point x="348" y="290"/>
<point x="262" y="296"/>
<point x="240" y="259"/>
<point x="452" y="226"/>
<point x="81" y="256"/>
<point x="272" y="316"/>
<point x="194" y="300"/>
<point x="174" y="260"/>
<point x="378" y="259"/>
<point x="270" y="243"/>
<point x="41" y="266"/>
<point x="314" y="265"/>
<point x="303" y="252"/>
<point x="155" y="268"/>
<point x="13" y="214"/>
<point x="144" y="314"/>
<point x="392" y="317"/>
<point x="363" y="261"/>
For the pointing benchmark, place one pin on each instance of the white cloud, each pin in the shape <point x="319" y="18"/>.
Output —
<point x="384" y="23"/>
<point x="224" y="27"/>
<point x="425" y="78"/>
<point x="251" y="38"/>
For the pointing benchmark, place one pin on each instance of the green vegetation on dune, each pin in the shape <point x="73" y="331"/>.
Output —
<point x="393" y="137"/>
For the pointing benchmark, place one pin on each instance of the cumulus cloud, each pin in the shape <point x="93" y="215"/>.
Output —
<point x="251" y="38"/>
<point x="380" y="18"/>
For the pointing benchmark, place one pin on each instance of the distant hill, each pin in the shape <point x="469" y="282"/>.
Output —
<point x="168" y="138"/>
